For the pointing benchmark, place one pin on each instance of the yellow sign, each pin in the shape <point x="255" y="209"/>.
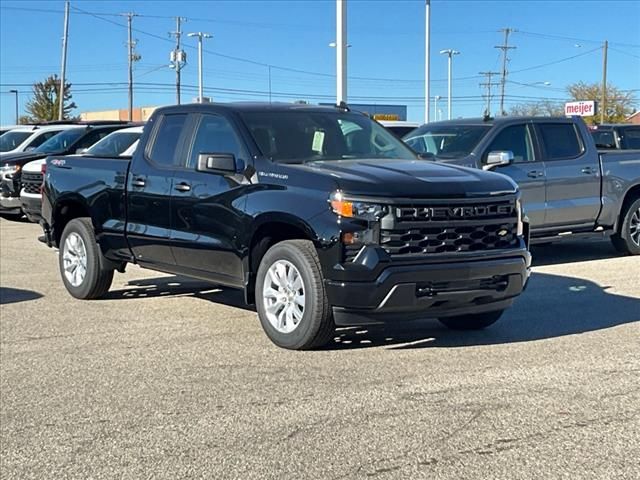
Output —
<point x="386" y="116"/>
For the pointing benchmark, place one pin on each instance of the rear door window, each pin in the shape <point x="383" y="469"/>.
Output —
<point x="561" y="141"/>
<point x="166" y="139"/>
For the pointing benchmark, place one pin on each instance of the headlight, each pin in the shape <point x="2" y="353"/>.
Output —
<point x="355" y="209"/>
<point x="9" y="170"/>
<point x="520" y="228"/>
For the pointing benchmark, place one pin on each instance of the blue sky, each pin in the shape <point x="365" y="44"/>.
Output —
<point x="385" y="60"/>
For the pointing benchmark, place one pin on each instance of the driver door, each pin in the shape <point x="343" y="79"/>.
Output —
<point x="527" y="169"/>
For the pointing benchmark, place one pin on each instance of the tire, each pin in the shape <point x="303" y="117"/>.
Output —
<point x="476" y="321"/>
<point x="627" y="239"/>
<point x="78" y="237"/>
<point x="294" y="313"/>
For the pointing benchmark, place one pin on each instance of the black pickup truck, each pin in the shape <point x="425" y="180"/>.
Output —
<point x="319" y="214"/>
<point x="569" y="188"/>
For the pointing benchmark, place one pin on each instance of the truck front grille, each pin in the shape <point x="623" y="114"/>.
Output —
<point x="430" y="240"/>
<point x="31" y="182"/>
<point x="442" y="228"/>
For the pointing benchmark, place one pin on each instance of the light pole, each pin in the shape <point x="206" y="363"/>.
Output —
<point x="341" y="51"/>
<point x="16" y="93"/>
<point x="200" y="36"/>
<point x="435" y="106"/>
<point x="449" y="53"/>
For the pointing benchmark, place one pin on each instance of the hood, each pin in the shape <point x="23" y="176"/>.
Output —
<point x="411" y="178"/>
<point x="21" y="158"/>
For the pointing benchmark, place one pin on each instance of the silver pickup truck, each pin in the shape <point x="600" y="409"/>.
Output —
<point x="569" y="188"/>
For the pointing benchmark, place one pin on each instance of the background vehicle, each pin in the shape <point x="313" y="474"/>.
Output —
<point x="568" y="187"/>
<point x="616" y="136"/>
<point x="399" y="128"/>
<point x="27" y="137"/>
<point x="119" y="143"/>
<point x="5" y="128"/>
<point x="73" y="139"/>
<point x="319" y="214"/>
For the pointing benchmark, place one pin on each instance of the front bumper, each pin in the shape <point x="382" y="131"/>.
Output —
<point x="9" y="197"/>
<point x="434" y="289"/>
<point x="32" y="206"/>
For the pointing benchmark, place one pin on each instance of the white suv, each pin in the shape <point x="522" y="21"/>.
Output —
<point x="27" y="137"/>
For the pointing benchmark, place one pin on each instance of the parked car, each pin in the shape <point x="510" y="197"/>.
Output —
<point x="73" y="139"/>
<point x="119" y="143"/>
<point x="5" y="128"/>
<point x="320" y="215"/>
<point x="399" y="128"/>
<point x="568" y="188"/>
<point x="25" y="138"/>
<point x="616" y="136"/>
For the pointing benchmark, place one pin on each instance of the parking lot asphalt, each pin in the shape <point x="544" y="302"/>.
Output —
<point x="174" y="378"/>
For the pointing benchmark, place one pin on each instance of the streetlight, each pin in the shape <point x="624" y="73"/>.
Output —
<point x="435" y="106"/>
<point x="200" y="36"/>
<point x="449" y="53"/>
<point x="16" y="93"/>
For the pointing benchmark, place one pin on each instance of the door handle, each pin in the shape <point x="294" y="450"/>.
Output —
<point x="138" y="182"/>
<point x="183" y="187"/>
<point x="535" y="174"/>
<point x="588" y="170"/>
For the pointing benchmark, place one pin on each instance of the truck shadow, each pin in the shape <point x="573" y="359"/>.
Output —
<point x="175" y="285"/>
<point x="15" y="295"/>
<point x="552" y="306"/>
<point x="572" y="251"/>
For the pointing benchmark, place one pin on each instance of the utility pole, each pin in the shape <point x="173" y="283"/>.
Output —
<point x="200" y="36"/>
<point x="132" y="57"/>
<point x="604" y="81"/>
<point x="449" y="53"/>
<point x="16" y="93"/>
<point x="488" y="84"/>
<point x="341" y="51"/>
<point x="427" y="59"/>
<point x="63" y="69"/>
<point x="505" y="50"/>
<point x="435" y="106"/>
<point x="178" y="56"/>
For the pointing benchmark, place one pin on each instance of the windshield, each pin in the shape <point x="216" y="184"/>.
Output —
<point x="11" y="140"/>
<point x="446" y="141"/>
<point x="61" y="142"/>
<point x="114" y="145"/>
<point x="305" y="136"/>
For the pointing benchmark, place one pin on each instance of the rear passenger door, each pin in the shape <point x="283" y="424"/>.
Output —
<point x="207" y="207"/>
<point x="527" y="169"/>
<point x="573" y="176"/>
<point x="149" y="189"/>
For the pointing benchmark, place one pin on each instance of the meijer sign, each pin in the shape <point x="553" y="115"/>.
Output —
<point x="584" y="109"/>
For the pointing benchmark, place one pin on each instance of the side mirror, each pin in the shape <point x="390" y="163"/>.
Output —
<point x="216" y="163"/>
<point x="498" y="159"/>
<point x="81" y="150"/>
<point x="426" y="156"/>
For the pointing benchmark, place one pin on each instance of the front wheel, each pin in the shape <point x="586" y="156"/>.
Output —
<point x="290" y="297"/>
<point x="627" y="239"/>
<point x="476" y="321"/>
<point x="80" y="261"/>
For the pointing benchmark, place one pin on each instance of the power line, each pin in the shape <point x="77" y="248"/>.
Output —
<point x="542" y="65"/>
<point x="488" y="84"/>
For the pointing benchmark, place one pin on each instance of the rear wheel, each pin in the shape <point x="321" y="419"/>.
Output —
<point x="476" y="321"/>
<point x="80" y="261"/>
<point x="627" y="239"/>
<point x="290" y="297"/>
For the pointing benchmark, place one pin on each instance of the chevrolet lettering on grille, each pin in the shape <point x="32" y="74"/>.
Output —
<point x="463" y="212"/>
